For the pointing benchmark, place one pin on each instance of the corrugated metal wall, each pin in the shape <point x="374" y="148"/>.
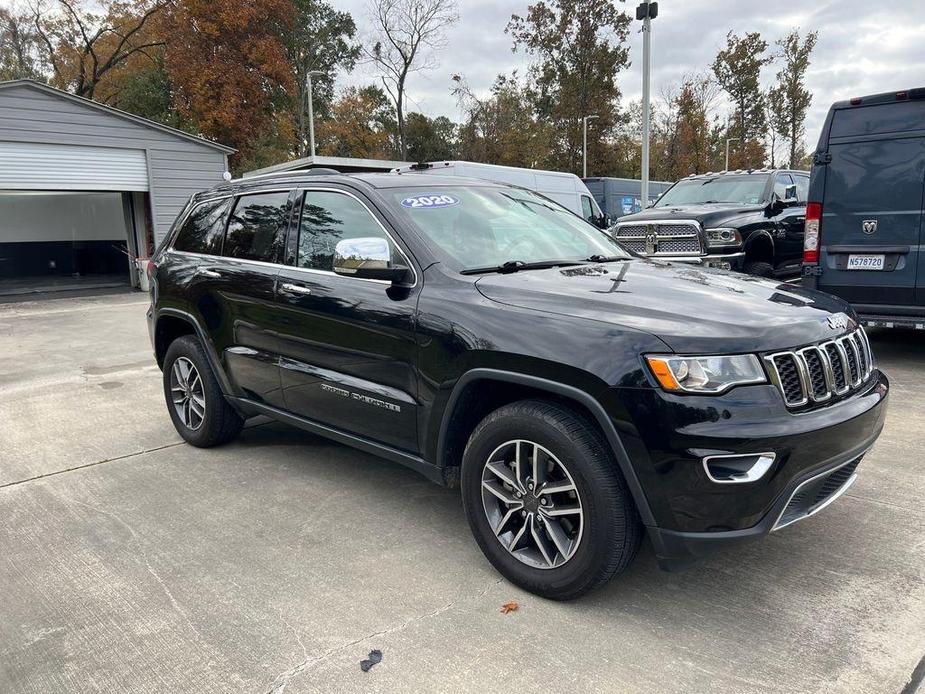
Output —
<point x="177" y="167"/>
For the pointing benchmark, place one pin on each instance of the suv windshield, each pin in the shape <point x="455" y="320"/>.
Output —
<point x="483" y="227"/>
<point x="747" y="189"/>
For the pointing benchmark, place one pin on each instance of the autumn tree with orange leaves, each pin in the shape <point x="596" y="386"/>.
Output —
<point x="230" y="73"/>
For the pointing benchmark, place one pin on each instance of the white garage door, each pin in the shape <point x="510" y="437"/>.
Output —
<point x="35" y="166"/>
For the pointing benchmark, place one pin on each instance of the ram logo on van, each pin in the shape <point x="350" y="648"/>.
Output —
<point x="869" y="226"/>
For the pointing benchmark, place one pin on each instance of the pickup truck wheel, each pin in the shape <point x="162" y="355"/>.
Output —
<point x="546" y="501"/>
<point x="759" y="269"/>
<point x="199" y="411"/>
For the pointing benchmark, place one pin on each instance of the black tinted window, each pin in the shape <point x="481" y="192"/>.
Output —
<point x="257" y="228"/>
<point x="328" y="218"/>
<point x="203" y="230"/>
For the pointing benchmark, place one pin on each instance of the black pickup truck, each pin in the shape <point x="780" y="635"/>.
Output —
<point x="750" y="221"/>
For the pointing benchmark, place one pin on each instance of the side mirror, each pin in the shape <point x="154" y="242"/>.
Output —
<point x="368" y="258"/>
<point x="601" y="221"/>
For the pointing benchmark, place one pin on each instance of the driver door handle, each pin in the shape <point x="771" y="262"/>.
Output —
<point x="295" y="289"/>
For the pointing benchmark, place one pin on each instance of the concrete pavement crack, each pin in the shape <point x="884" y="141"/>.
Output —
<point x="115" y="459"/>
<point x="284" y="678"/>
<point x="92" y="464"/>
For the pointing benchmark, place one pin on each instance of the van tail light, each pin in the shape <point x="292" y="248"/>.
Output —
<point x="150" y="267"/>
<point x="812" y="235"/>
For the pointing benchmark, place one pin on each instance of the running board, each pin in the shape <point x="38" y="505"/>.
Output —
<point x="416" y="463"/>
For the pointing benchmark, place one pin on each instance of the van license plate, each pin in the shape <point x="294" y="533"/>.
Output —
<point x="865" y="262"/>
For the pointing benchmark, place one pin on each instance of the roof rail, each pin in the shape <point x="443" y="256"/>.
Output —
<point x="320" y="171"/>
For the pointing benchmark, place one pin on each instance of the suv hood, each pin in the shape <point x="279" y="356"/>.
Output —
<point x="708" y="215"/>
<point x="692" y="309"/>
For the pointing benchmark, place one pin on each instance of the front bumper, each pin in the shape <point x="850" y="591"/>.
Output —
<point x="693" y="515"/>
<point x="723" y="261"/>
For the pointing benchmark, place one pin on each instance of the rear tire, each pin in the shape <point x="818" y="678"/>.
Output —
<point x="759" y="269"/>
<point x="595" y="521"/>
<point x="199" y="411"/>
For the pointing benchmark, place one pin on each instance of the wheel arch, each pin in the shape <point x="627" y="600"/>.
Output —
<point x="759" y="247"/>
<point x="172" y="323"/>
<point x="464" y="409"/>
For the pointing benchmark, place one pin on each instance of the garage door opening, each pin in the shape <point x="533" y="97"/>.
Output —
<point x="65" y="241"/>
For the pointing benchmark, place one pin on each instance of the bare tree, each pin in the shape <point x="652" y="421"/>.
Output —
<point x="408" y="33"/>
<point x="82" y="46"/>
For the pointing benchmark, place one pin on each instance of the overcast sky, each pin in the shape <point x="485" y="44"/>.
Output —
<point x="865" y="46"/>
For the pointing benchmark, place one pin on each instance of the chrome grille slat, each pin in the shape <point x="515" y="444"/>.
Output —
<point x="675" y="238"/>
<point x="820" y="372"/>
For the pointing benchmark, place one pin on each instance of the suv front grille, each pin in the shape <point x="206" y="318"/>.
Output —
<point x="653" y="239"/>
<point x="818" y="373"/>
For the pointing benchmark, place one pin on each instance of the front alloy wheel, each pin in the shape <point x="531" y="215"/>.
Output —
<point x="532" y="504"/>
<point x="545" y="499"/>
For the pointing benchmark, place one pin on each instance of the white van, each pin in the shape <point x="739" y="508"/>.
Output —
<point x="564" y="188"/>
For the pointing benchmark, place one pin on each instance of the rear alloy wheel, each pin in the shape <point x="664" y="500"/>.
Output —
<point x="189" y="399"/>
<point x="199" y="411"/>
<point x="532" y="504"/>
<point x="546" y="501"/>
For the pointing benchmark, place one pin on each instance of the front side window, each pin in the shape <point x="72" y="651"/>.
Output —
<point x="586" y="209"/>
<point x="328" y="218"/>
<point x="204" y="228"/>
<point x="745" y="189"/>
<point x="781" y="183"/>
<point x="257" y="228"/>
<point x="475" y="227"/>
<point x="802" y="187"/>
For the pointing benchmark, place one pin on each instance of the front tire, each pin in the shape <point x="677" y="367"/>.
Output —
<point x="546" y="501"/>
<point x="199" y="411"/>
<point x="759" y="269"/>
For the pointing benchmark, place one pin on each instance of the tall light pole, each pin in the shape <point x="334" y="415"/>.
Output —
<point x="647" y="11"/>
<point x="584" y="147"/>
<point x="311" y="112"/>
<point x="728" y="140"/>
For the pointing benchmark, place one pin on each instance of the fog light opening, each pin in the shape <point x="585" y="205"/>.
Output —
<point x="738" y="468"/>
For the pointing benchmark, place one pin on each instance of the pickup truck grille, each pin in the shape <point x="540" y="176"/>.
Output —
<point x="656" y="239"/>
<point x="818" y="373"/>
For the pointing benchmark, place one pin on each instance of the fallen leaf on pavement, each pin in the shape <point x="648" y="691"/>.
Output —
<point x="509" y="607"/>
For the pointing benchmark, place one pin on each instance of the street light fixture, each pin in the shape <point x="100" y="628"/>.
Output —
<point x="728" y="140"/>
<point x="311" y="111"/>
<point x="584" y="148"/>
<point x="646" y="11"/>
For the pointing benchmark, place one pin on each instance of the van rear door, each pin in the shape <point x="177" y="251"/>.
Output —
<point x="872" y="207"/>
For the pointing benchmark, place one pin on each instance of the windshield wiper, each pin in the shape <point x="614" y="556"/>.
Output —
<point x="518" y="265"/>
<point x="605" y="258"/>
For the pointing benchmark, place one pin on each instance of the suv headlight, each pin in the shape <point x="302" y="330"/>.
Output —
<point x="723" y="238"/>
<point x="705" y="374"/>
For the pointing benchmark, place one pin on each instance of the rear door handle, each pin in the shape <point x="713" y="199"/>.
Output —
<point x="295" y="288"/>
<point x="208" y="273"/>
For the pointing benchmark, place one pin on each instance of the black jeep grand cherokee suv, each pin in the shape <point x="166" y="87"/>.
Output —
<point x="734" y="220"/>
<point x="486" y="337"/>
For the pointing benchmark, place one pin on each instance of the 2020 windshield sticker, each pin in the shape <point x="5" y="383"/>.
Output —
<point x="429" y="201"/>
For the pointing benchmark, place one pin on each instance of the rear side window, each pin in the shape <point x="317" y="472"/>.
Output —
<point x="257" y="228"/>
<point x="328" y="218"/>
<point x="204" y="228"/>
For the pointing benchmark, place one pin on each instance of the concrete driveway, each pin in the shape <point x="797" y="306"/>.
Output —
<point x="130" y="562"/>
